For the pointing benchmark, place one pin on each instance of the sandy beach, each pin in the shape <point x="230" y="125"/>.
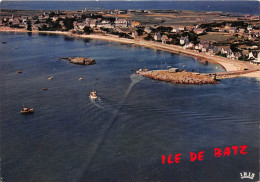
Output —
<point x="228" y="64"/>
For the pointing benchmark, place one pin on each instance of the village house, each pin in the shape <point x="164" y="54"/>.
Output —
<point x="202" y="44"/>
<point x="237" y="55"/>
<point x="258" y="56"/>
<point x="252" y="37"/>
<point x="213" y="50"/>
<point x="184" y="40"/>
<point x="35" y="27"/>
<point x="182" y="28"/>
<point x="46" y="16"/>
<point x="157" y="36"/>
<point x="241" y="31"/>
<point x="233" y="30"/>
<point x="134" y="34"/>
<point x="205" y="48"/>
<point x="249" y="27"/>
<point x="199" y="31"/>
<point x="62" y="25"/>
<point x="55" y="18"/>
<point x="105" y="24"/>
<point x="121" y="23"/>
<point x="93" y="23"/>
<point x="230" y="55"/>
<point x="135" y="24"/>
<point x="256" y="60"/>
<point x="251" y="56"/>
<point x="15" y="21"/>
<point x="175" y="30"/>
<point x="256" y="18"/>
<point x="147" y="29"/>
<point x="228" y="25"/>
<point x="62" y="16"/>
<point x="164" y="39"/>
<point x="79" y="26"/>
<point x="225" y="50"/>
<point x="189" y="45"/>
<point x="40" y="19"/>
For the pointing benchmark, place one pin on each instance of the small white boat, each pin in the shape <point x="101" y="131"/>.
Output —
<point x="50" y="78"/>
<point x="80" y="78"/>
<point x="93" y="95"/>
<point x="25" y="110"/>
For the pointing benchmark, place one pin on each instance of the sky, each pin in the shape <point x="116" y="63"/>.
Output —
<point x="129" y="0"/>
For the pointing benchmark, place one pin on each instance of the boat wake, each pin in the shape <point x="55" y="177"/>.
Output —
<point x="134" y="80"/>
<point x="98" y="103"/>
<point x="105" y="130"/>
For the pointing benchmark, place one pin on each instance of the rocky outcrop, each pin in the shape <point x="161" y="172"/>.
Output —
<point x="182" y="77"/>
<point x="80" y="60"/>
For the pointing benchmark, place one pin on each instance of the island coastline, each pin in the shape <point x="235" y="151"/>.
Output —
<point x="228" y="64"/>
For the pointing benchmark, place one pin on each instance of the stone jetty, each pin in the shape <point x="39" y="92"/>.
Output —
<point x="180" y="77"/>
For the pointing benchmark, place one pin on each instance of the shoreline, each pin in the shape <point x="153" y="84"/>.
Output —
<point x="228" y="64"/>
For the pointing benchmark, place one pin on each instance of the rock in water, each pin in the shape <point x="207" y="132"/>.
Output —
<point x="81" y="60"/>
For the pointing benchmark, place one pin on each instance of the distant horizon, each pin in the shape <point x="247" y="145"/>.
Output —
<point x="131" y="0"/>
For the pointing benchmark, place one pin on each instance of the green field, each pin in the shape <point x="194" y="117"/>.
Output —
<point x="215" y="37"/>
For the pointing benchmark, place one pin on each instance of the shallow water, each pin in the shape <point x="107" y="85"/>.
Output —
<point x="121" y="136"/>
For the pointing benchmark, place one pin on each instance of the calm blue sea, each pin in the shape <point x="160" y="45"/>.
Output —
<point x="244" y="7"/>
<point x="122" y="135"/>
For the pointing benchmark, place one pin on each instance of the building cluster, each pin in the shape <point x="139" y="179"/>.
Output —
<point x="249" y="34"/>
<point x="77" y="21"/>
<point x="37" y="21"/>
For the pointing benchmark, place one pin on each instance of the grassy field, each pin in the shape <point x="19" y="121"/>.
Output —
<point x="215" y="37"/>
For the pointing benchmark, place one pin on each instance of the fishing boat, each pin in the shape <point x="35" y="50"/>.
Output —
<point x="19" y="71"/>
<point x="80" y="78"/>
<point x="25" y="110"/>
<point x="44" y="89"/>
<point x="93" y="95"/>
<point x="50" y="78"/>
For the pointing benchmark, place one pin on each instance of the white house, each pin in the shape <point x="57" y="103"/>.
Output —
<point x="121" y="23"/>
<point x="157" y="36"/>
<point x="251" y="56"/>
<point x="175" y="30"/>
<point x="188" y="45"/>
<point x="184" y="40"/>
